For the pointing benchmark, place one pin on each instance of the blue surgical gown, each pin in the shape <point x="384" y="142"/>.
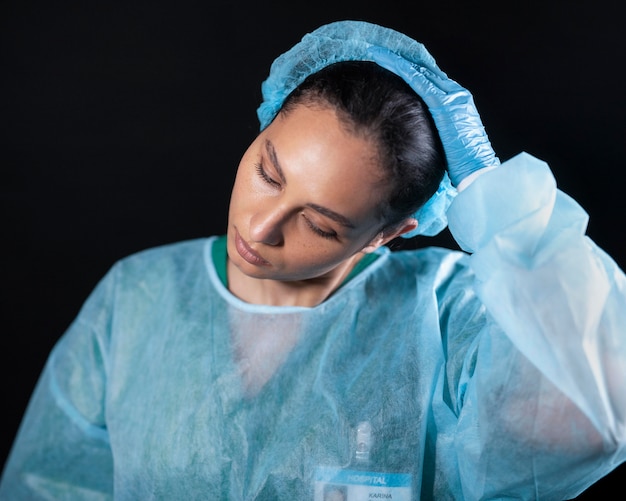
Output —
<point x="496" y="373"/>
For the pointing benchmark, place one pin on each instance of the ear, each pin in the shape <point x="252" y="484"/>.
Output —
<point x="409" y="224"/>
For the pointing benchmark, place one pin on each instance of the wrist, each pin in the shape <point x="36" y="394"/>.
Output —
<point x="469" y="179"/>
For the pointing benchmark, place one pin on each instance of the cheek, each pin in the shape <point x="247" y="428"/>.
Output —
<point x="317" y="257"/>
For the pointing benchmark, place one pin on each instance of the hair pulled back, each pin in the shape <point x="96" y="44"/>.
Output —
<point x="376" y="102"/>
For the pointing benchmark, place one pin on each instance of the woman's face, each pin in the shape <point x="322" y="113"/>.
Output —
<point x="306" y="197"/>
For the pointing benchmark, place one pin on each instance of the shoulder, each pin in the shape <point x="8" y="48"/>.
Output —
<point x="177" y="255"/>
<point x="168" y="251"/>
<point x="438" y="265"/>
<point x="443" y="276"/>
<point x="149" y="274"/>
<point x="156" y="266"/>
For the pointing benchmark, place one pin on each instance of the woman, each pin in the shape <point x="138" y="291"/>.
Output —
<point x="297" y="356"/>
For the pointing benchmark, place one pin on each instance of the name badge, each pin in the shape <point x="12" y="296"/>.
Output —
<point x="335" y="484"/>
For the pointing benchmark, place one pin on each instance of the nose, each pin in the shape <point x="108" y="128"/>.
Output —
<point x="267" y="226"/>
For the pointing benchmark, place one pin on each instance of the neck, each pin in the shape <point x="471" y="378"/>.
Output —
<point x="310" y="292"/>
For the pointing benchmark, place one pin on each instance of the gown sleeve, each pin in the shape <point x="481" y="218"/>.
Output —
<point x="62" y="449"/>
<point x="543" y="415"/>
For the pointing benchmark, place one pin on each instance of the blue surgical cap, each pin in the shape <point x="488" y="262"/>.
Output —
<point x="352" y="41"/>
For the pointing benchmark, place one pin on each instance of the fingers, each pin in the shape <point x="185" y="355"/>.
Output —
<point x="452" y="107"/>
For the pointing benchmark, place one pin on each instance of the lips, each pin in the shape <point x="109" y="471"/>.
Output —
<point x="247" y="253"/>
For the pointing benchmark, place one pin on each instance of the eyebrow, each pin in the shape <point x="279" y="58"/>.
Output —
<point x="325" y="211"/>
<point x="332" y="215"/>
<point x="269" y="147"/>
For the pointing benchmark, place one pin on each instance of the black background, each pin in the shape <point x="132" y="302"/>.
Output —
<point x="122" y="125"/>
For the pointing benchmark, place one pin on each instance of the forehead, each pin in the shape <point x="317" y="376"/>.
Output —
<point x="319" y="152"/>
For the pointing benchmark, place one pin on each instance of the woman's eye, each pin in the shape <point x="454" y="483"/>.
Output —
<point x="261" y="172"/>
<point x="318" y="231"/>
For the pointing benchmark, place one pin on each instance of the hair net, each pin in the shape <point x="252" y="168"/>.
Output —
<point x="352" y="41"/>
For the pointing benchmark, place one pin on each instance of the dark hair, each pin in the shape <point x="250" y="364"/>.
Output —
<point x="376" y="102"/>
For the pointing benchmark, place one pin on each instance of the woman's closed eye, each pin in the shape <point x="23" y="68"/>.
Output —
<point x="317" y="230"/>
<point x="265" y="176"/>
<point x="311" y="225"/>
